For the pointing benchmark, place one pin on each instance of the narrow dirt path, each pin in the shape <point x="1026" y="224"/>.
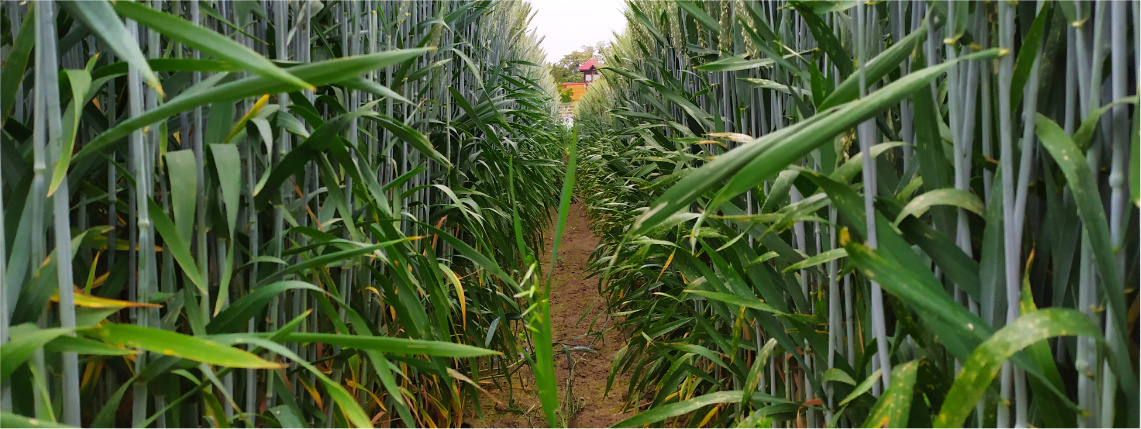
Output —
<point x="591" y="354"/>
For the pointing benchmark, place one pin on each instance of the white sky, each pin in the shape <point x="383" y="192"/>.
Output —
<point x="570" y="24"/>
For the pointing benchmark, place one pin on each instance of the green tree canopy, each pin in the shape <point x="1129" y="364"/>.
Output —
<point x="566" y="69"/>
<point x="565" y="95"/>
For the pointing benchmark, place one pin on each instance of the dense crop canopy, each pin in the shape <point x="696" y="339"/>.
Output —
<point x="871" y="213"/>
<point x="268" y="213"/>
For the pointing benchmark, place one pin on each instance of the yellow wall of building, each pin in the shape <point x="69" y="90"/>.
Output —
<point x="576" y="91"/>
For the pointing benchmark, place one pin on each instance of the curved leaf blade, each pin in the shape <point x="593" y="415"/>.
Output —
<point x="985" y="362"/>
<point x="207" y="41"/>
<point x="175" y="344"/>
<point x="100" y="18"/>
<point x="391" y="345"/>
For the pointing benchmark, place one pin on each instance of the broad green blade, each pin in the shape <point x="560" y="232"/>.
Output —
<point x="10" y="420"/>
<point x="174" y="344"/>
<point x="893" y="407"/>
<point x="663" y="412"/>
<point x="15" y="63"/>
<point x="239" y="312"/>
<point x="177" y="245"/>
<point x="1083" y="186"/>
<point x="392" y="345"/>
<point x="183" y="178"/>
<point x="941" y="197"/>
<point x="985" y="362"/>
<point x="317" y="74"/>
<point x="758" y="160"/>
<point x="24" y="340"/>
<point x="100" y="18"/>
<point x="206" y="41"/>
<point x="80" y="81"/>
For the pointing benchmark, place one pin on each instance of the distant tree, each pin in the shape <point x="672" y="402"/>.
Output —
<point x="565" y="95"/>
<point x="566" y="69"/>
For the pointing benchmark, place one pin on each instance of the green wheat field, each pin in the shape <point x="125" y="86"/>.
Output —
<point x="243" y="213"/>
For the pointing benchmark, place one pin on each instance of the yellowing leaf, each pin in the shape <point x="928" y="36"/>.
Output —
<point x="459" y="292"/>
<point x="253" y="112"/>
<point x="91" y="301"/>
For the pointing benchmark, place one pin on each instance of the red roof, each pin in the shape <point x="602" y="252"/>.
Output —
<point x="591" y="63"/>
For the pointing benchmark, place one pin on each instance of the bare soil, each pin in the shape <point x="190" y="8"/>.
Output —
<point x="572" y="295"/>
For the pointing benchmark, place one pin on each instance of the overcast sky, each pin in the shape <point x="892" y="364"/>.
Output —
<point x="570" y="24"/>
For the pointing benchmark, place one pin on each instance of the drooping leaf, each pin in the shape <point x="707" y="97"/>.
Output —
<point x="317" y="74"/>
<point x="893" y="407"/>
<point x="207" y="41"/>
<point x="690" y="405"/>
<point x="16" y="63"/>
<point x="947" y="197"/>
<point x="23" y="341"/>
<point x="985" y="362"/>
<point x="100" y="18"/>
<point x="1084" y="189"/>
<point x="174" y="344"/>
<point x="392" y="345"/>
<point x="237" y="313"/>
<point x="80" y="81"/>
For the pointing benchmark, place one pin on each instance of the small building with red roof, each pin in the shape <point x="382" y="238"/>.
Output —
<point x="589" y="71"/>
<point x="590" y="74"/>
